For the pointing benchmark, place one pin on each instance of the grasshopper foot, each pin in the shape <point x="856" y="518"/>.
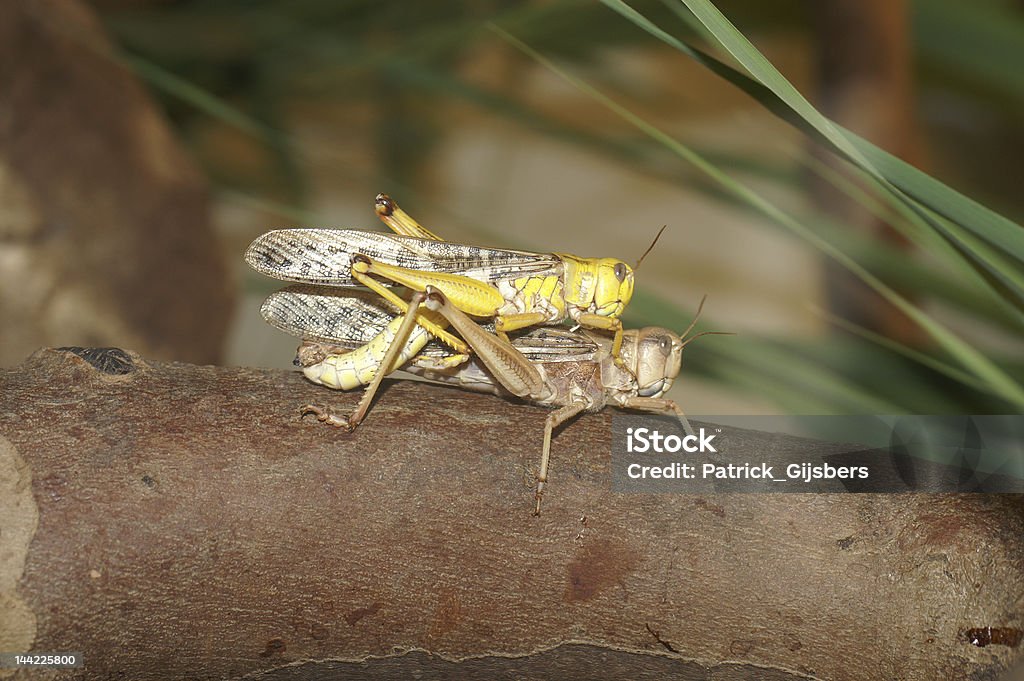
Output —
<point x="325" y="415"/>
<point x="538" y="495"/>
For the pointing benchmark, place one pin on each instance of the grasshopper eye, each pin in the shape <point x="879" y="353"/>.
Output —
<point x="665" y="345"/>
<point x="620" y="271"/>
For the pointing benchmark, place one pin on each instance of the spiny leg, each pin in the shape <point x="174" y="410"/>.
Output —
<point x="401" y="337"/>
<point x="659" y="405"/>
<point x="361" y="268"/>
<point x="507" y="365"/>
<point x="553" y="420"/>
<point x="511" y="369"/>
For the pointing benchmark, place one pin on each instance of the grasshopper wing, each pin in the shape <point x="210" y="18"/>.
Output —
<point x="556" y="345"/>
<point x="347" y="319"/>
<point x="324" y="256"/>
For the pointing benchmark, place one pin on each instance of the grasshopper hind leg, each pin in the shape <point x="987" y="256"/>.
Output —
<point x="553" y="420"/>
<point x="349" y="423"/>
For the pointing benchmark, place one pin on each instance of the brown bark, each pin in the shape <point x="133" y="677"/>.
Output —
<point x="104" y="222"/>
<point x="175" y="521"/>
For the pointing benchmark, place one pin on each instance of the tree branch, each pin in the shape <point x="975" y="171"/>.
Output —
<point x="178" y="521"/>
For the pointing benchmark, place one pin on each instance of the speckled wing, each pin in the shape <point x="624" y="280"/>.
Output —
<point x="316" y="313"/>
<point x="324" y="256"/>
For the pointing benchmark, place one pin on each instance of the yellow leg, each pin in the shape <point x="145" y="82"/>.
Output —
<point x="471" y="296"/>
<point x="401" y="337"/>
<point x="360" y="272"/>
<point x="507" y="323"/>
<point x="399" y="221"/>
<point x="614" y="324"/>
<point x="475" y="298"/>
<point x="447" y="362"/>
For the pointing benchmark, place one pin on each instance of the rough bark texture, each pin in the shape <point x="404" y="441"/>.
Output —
<point x="175" y="521"/>
<point x="104" y="225"/>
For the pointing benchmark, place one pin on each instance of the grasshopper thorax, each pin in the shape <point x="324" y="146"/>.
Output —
<point x="601" y="286"/>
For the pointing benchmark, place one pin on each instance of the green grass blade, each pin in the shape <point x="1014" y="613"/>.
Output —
<point x="201" y="99"/>
<point x="1002" y="278"/>
<point x="916" y="277"/>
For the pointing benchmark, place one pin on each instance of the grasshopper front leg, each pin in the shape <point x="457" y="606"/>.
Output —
<point x="659" y="405"/>
<point x="613" y="324"/>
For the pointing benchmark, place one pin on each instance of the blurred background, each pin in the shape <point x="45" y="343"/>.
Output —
<point x="145" y="143"/>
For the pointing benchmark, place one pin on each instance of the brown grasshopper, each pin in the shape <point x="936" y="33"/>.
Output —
<point x="574" y="371"/>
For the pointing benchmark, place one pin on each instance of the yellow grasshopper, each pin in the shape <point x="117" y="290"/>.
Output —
<point x="572" y="370"/>
<point x="516" y="289"/>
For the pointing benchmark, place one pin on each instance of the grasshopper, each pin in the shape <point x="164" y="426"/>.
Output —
<point x="516" y="289"/>
<point x="573" y="371"/>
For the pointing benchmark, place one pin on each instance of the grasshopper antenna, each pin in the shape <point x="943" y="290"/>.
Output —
<point x="707" y="333"/>
<point x="700" y="308"/>
<point x="649" y="248"/>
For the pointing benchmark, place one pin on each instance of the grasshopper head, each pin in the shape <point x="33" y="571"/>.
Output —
<point x="601" y="286"/>
<point x="657" y="356"/>
<point x="614" y="287"/>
